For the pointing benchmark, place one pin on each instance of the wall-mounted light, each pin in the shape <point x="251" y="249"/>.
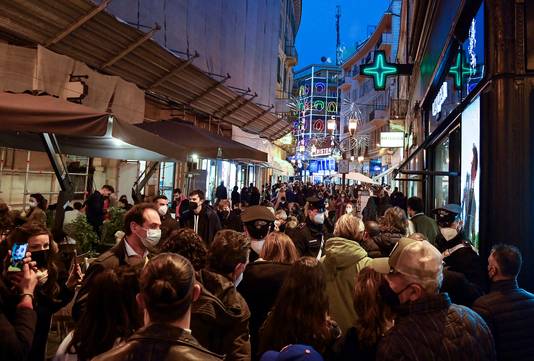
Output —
<point x="353" y="124"/>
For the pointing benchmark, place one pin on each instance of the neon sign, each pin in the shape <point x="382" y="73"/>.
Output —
<point x="440" y="99"/>
<point x="380" y="69"/>
<point x="459" y="70"/>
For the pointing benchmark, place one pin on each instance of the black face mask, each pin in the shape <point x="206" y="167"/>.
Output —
<point x="193" y="205"/>
<point x="389" y="296"/>
<point x="224" y="214"/>
<point x="41" y="258"/>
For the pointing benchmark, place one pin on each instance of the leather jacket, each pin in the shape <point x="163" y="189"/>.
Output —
<point x="159" y="341"/>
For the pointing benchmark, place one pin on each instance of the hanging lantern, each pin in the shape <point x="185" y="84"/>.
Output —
<point x="353" y="124"/>
<point x="331" y="124"/>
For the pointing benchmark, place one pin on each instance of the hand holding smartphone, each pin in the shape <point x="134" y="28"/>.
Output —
<point x="18" y="253"/>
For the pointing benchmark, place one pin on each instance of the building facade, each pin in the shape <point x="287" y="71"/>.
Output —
<point x="468" y="129"/>
<point x="373" y="109"/>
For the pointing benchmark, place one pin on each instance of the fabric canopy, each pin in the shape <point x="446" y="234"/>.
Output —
<point x="79" y="130"/>
<point x="355" y="176"/>
<point x="202" y="142"/>
<point x="29" y="113"/>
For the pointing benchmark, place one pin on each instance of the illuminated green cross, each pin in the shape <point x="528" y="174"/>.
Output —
<point x="379" y="70"/>
<point x="460" y="70"/>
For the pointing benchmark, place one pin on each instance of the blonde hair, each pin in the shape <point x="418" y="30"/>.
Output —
<point x="278" y="247"/>
<point x="349" y="227"/>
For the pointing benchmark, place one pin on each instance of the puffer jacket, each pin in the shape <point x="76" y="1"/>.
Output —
<point x="387" y="239"/>
<point x="162" y="342"/>
<point x="220" y="318"/>
<point x="435" y="329"/>
<point x="509" y="312"/>
<point x="342" y="261"/>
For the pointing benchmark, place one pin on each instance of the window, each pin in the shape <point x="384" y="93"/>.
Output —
<point x="278" y="76"/>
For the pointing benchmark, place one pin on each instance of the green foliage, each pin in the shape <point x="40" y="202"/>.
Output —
<point x="82" y="232"/>
<point x="114" y="224"/>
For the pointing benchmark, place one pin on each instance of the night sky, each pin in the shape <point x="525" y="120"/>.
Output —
<point x="317" y="33"/>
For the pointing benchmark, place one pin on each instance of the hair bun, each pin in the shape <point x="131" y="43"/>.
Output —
<point x="163" y="291"/>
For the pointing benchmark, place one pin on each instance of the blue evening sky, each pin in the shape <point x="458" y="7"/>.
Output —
<point x="316" y="36"/>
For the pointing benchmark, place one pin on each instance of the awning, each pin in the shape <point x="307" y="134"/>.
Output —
<point x="79" y="130"/>
<point x="283" y="167"/>
<point x="356" y="176"/>
<point x="202" y="142"/>
<point x="84" y="31"/>
<point x="386" y="172"/>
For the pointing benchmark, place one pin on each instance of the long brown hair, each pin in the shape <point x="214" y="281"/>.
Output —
<point x="278" y="247"/>
<point x="373" y="314"/>
<point x="394" y="219"/>
<point x="300" y="313"/>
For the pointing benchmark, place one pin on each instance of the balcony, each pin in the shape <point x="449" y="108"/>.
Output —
<point x="291" y="55"/>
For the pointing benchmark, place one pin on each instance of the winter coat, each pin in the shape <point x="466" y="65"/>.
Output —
<point x="220" y="318"/>
<point x="168" y="224"/>
<point x="388" y="239"/>
<point x="435" y="329"/>
<point x="370" y="245"/>
<point x="159" y="341"/>
<point x="342" y="262"/>
<point x="261" y="283"/>
<point x="308" y="236"/>
<point x="509" y="312"/>
<point x="427" y="226"/>
<point x="208" y="223"/>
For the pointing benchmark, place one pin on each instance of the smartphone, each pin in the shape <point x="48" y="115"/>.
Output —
<point x="18" y="252"/>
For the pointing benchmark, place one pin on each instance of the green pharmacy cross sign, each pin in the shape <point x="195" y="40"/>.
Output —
<point x="380" y="69"/>
<point x="459" y="70"/>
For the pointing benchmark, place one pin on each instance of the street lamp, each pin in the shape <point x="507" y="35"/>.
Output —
<point x="353" y="124"/>
<point x="331" y="124"/>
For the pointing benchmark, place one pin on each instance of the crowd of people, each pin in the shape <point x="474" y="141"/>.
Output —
<point x="292" y="272"/>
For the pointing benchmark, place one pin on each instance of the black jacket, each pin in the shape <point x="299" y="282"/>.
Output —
<point x="168" y="224"/>
<point x="208" y="223"/>
<point x="387" y="239"/>
<point x="17" y="326"/>
<point x="220" y="317"/>
<point x="95" y="210"/>
<point x="509" y="312"/>
<point x="350" y="348"/>
<point x="221" y="192"/>
<point x="307" y="237"/>
<point x="232" y="221"/>
<point x="261" y="283"/>
<point x="236" y="198"/>
<point x="434" y="329"/>
<point x="161" y="342"/>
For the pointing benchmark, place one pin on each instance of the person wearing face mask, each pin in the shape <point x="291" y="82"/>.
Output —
<point x="309" y="237"/>
<point x="507" y="308"/>
<point x="142" y="234"/>
<point x="55" y="288"/>
<point x="36" y="212"/>
<point x="168" y="224"/>
<point x="202" y="219"/>
<point x="458" y="253"/>
<point x="230" y="219"/>
<point x="428" y="325"/>
<point x="258" y="222"/>
<point x="220" y="316"/>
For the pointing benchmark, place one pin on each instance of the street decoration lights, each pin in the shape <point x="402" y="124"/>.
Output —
<point x="353" y="124"/>
<point x="331" y="124"/>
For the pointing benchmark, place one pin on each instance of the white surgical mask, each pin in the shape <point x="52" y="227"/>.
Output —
<point x="448" y="233"/>
<point x="32" y="204"/>
<point x="319" y="218"/>
<point x="152" y="238"/>
<point x="348" y="210"/>
<point x="163" y="210"/>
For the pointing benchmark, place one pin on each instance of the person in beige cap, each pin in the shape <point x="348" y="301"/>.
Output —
<point x="428" y="325"/>
<point x="258" y="222"/>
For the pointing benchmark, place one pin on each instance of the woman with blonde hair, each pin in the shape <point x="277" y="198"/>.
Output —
<point x="343" y="258"/>
<point x="263" y="279"/>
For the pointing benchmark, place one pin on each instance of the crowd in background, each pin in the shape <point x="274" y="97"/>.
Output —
<point x="294" y="271"/>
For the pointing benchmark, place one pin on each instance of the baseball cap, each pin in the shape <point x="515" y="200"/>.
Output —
<point x="412" y="258"/>
<point x="293" y="353"/>
<point x="316" y="203"/>
<point x="257" y="213"/>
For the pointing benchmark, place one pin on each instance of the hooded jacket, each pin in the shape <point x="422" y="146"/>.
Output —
<point x="342" y="262"/>
<point x="220" y="317"/>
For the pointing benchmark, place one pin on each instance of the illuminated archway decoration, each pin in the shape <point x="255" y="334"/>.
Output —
<point x="332" y="107"/>
<point x="302" y="90"/>
<point x="380" y="69"/>
<point x="307" y="89"/>
<point x="319" y="87"/>
<point x="459" y="71"/>
<point x="318" y="105"/>
<point x="318" y="125"/>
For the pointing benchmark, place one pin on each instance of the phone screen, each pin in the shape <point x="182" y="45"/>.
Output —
<point x="18" y="252"/>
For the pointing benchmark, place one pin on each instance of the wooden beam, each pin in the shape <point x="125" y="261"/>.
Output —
<point x="280" y="133"/>
<point x="209" y="90"/>
<point x="227" y="114"/>
<point x="232" y="102"/>
<point x="131" y="47"/>
<point x="174" y="71"/>
<point x="77" y="23"/>
<point x="272" y="125"/>
<point x="259" y="116"/>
